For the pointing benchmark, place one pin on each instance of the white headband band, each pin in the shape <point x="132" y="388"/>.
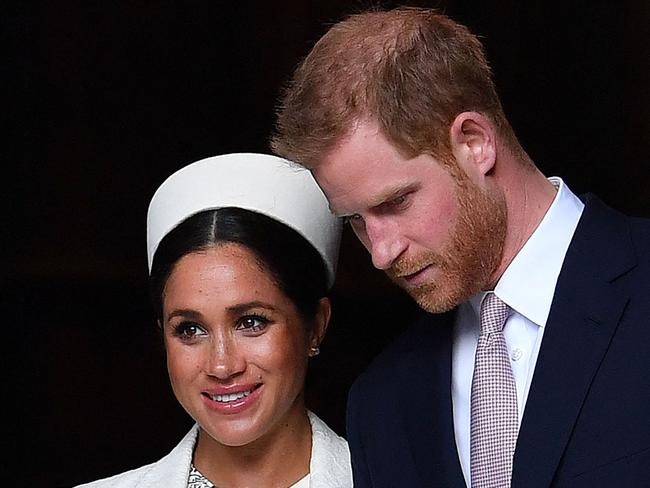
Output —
<point x="262" y="183"/>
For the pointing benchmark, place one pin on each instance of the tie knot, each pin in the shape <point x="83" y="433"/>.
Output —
<point x="494" y="313"/>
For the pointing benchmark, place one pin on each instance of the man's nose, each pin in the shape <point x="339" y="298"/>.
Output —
<point x="384" y="242"/>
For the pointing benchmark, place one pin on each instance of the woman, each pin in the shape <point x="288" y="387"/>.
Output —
<point x="242" y="251"/>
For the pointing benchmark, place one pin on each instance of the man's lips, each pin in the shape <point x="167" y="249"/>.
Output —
<point x="414" y="278"/>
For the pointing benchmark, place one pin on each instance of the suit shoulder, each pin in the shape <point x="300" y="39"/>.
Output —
<point x="641" y="233"/>
<point x="423" y="337"/>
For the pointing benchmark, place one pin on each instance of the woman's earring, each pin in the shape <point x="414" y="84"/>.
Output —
<point x="314" y="351"/>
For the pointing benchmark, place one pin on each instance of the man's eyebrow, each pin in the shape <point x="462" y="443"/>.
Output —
<point x="391" y="193"/>
<point x="387" y="195"/>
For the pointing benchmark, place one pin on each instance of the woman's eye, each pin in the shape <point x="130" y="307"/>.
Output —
<point x="188" y="330"/>
<point x="252" y="323"/>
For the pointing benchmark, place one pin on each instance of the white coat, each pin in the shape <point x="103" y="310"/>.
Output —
<point x="329" y="466"/>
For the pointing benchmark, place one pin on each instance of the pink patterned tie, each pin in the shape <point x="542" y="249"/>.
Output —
<point x="494" y="424"/>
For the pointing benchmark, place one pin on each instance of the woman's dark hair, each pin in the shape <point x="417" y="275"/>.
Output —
<point x="295" y="265"/>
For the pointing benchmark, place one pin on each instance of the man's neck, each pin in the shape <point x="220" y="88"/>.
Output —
<point x="528" y="195"/>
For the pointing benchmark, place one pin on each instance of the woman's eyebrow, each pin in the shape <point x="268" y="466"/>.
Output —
<point x="244" y="307"/>
<point x="185" y="313"/>
<point x="240" y="308"/>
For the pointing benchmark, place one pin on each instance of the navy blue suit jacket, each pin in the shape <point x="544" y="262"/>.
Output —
<point x="586" y="419"/>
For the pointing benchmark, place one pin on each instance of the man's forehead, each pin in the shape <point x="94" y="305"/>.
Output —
<point x="362" y="170"/>
<point x="347" y="194"/>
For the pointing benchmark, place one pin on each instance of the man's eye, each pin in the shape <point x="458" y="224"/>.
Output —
<point x="397" y="201"/>
<point x="252" y="323"/>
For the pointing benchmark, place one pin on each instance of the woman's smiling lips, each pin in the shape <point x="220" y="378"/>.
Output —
<point x="232" y="399"/>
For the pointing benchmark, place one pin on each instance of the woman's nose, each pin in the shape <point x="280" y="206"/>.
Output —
<point x="226" y="358"/>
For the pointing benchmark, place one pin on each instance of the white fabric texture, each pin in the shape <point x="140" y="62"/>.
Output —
<point x="527" y="287"/>
<point x="197" y="480"/>
<point x="329" y="466"/>
<point x="261" y="183"/>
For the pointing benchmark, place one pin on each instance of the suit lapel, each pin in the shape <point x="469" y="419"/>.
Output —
<point x="427" y="414"/>
<point x="589" y="301"/>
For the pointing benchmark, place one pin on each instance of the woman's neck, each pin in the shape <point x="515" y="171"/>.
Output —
<point x="279" y="458"/>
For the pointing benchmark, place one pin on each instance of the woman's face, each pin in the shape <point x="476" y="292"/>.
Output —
<point x="237" y="348"/>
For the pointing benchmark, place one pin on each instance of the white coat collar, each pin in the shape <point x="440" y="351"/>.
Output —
<point x="329" y="466"/>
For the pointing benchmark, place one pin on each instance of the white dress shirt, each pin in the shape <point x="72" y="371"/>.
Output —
<point x="527" y="286"/>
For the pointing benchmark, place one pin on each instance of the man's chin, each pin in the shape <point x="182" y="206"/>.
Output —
<point x="444" y="295"/>
<point x="436" y="299"/>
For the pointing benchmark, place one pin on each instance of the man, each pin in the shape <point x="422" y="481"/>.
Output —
<point x="539" y="375"/>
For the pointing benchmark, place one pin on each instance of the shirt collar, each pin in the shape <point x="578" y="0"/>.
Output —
<point x="528" y="283"/>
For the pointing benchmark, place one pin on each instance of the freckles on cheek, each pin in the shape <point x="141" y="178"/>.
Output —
<point x="275" y="353"/>
<point x="181" y="363"/>
<point x="264" y="353"/>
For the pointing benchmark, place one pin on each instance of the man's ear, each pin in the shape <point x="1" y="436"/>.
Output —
<point x="321" y="322"/>
<point x="473" y="143"/>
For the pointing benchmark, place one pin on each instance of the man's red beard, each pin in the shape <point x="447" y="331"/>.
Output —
<point x="470" y="259"/>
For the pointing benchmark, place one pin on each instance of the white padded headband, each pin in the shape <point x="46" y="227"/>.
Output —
<point x="262" y="183"/>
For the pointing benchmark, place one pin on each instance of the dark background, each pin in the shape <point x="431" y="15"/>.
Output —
<point x="106" y="99"/>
